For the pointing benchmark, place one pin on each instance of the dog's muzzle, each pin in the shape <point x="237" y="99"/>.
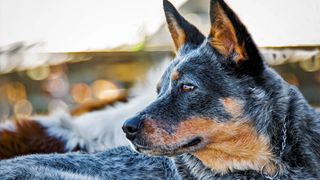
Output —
<point x="132" y="127"/>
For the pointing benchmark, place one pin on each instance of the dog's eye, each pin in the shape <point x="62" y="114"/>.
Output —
<point x="187" y="87"/>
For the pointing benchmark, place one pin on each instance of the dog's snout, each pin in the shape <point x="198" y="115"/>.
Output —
<point x="132" y="126"/>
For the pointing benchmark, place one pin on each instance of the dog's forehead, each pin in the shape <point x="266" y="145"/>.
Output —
<point x="189" y="52"/>
<point x="190" y="60"/>
<point x="194" y="58"/>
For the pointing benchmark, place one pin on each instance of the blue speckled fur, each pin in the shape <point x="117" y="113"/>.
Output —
<point x="269" y="103"/>
<point x="118" y="163"/>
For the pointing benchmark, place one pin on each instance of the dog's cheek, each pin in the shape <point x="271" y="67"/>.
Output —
<point x="236" y="146"/>
<point x="233" y="107"/>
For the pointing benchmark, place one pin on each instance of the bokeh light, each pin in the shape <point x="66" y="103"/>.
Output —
<point x="22" y="108"/>
<point x="15" y="91"/>
<point x="81" y="93"/>
<point x="58" y="87"/>
<point x="39" y="73"/>
<point x="103" y="89"/>
<point x="311" y="65"/>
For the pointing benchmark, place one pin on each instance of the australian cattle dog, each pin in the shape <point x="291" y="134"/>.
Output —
<point x="220" y="113"/>
<point x="220" y="104"/>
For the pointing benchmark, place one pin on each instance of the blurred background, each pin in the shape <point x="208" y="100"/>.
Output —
<point x="72" y="54"/>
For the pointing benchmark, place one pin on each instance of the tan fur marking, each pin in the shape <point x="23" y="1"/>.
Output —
<point x="230" y="146"/>
<point x="243" y="150"/>
<point x="175" y="75"/>
<point x="177" y="34"/>
<point x="224" y="38"/>
<point x="233" y="107"/>
<point x="28" y="138"/>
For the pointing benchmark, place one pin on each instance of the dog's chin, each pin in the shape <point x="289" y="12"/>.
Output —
<point x="170" y="150"/>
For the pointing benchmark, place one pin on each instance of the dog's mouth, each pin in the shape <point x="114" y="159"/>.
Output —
<point x="170" y="150"/>
<point x="194" y="142"/>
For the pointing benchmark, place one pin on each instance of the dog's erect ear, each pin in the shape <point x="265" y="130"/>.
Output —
<point x="181" y="30"/>
<point x="228" y="35"/>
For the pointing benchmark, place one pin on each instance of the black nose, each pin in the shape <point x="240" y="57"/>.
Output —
<point x="132" y="126"/>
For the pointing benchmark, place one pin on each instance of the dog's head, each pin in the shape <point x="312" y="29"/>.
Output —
<point x="201" y="95"/>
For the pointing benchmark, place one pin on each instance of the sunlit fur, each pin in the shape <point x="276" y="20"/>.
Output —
<point x="236" y="118"/>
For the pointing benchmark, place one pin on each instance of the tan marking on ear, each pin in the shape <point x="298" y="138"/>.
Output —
<point x="224" y="38"/>
<point x="175" y="75"/>
<point x="178" y="35"/>
<point x="29" y="137"/>
<point x="233" y="107"/>
<point x="230" y="146"/>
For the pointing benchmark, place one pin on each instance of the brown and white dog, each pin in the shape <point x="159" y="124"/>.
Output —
<point x="61" y="132"/>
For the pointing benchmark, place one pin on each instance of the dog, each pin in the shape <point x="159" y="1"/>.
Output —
<point x="220" y="113"/>
<point x="220" y="102"/>
<point x="60" y="132"/>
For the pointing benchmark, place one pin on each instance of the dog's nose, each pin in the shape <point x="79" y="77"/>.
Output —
<point x="132" y="126"/>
